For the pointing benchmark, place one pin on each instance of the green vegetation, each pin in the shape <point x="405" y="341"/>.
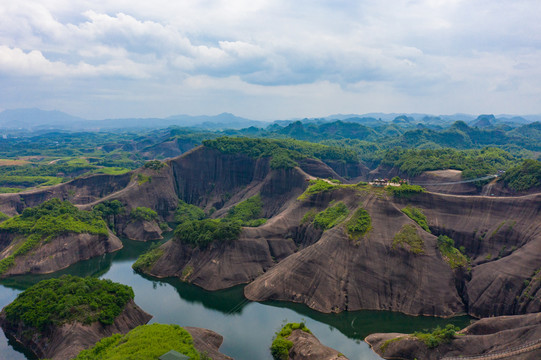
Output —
<point x="46" y="221"/>
<point x="154" y="165"/>
<point x="524" y="176"/>
<point x="316" y="187"/>
<point x="452" y="255"/>
<point x="416" y="215"/>
<point x="28" y="181"/>
<point x="474" y="163"/>
<point x="281" y="345"/>
<point x="201" y="233"/>
<point x="69" y="298"/>
<point x="107" y="210"/>
<point x="197" y="230"/>
<point x="143" y="214"/>
<point x="188" y="212"/>
<point x="287" y="151"/>
<point x="190" y="220"/>
<point x="408" y="236"/>
<point x="331" y="216"/>
<point x="145" y="342"/>
<point x="146" y="260"/>
<point x="386" y="343"/>
<point x="9" y="190"/>
<point x="141" y="179"/>
<point x="359" y="224"/>
<point x="247" y="212"/>
<point x="309" y="216"/>
<point x="3" y="216"/>
<point x="438" y="336"/>
<point x="405" y="191"/>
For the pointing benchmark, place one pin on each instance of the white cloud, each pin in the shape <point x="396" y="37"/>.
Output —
<point x="409" y="52"/>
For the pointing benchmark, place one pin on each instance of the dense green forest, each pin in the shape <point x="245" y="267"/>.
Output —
<point x="197" y="229"/>
<point x="413" y="147"/>
<point x="524" y="176"/>
<point x="46" y="221"/>
<point x="144" y="342"/>
<point x="69" y="298"/>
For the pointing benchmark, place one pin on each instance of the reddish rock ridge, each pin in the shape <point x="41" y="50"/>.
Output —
<point x="58" y="253"/>
<point x="307" y="347"/>
<point x="505" y="337"/>
<point x="66" y="341"/>
<point x="143" y="230"/>
<point x="332" y="273"/>
<point x="207" y="342"/>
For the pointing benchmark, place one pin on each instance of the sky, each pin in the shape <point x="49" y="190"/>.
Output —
<point x="270" y="59"/>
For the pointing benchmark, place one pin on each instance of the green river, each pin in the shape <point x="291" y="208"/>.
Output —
<point x="247" y="327"/>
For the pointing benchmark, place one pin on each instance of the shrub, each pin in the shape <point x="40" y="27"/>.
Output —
<point x="201" y="233"/>
<point x="47" y="221"/>
<point x="417" y="215"/>
<point x="143" y="214"/>
<point x="438" y="336"/>
<point x="247" y="212"/>
<point x="331" y="216"/>
<point x="146" y="260"/>
<point x="452" y="255"/>
<point x="408" y="236"/>
<point x="281" y="345"/>
<point x="316" y="186"/>
<point x="405" y="191"/>
<point x="523" y="177"/>
<point x="185" y="212"/>
<point x="359" y="224"/>
<point x="143" y="342"/>
<point x="309" y="216"/>
<point x="69" y="298"/>
<point x="154" y="165"/>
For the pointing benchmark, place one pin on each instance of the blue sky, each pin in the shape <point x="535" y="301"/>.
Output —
<point x="270" y="59"/>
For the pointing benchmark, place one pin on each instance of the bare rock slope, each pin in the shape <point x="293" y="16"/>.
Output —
<point x="307" y="347"/>
<point x="505" y="337"/>
<point x="57" y="253"/>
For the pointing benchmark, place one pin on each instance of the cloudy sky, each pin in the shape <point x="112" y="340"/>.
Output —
<point x="270" y="59"/>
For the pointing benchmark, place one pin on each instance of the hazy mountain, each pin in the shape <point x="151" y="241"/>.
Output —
<point x="36" y="119"/>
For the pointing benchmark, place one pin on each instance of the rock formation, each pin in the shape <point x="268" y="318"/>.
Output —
<point x="66" y="341"/>
<point x="505" y="337"/>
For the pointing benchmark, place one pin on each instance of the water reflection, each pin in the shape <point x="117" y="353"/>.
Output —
<point x="227" y="301"/>
<point x="247" y="327"/>
<point x="360" y="324"/>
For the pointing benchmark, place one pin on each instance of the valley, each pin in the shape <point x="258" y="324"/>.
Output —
<point x="294" y="222"/>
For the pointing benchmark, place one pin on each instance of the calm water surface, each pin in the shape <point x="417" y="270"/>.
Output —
<point x="247" y="327"/>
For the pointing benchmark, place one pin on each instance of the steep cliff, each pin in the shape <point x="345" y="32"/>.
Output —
<point x="58" y="318"/>
<point x="505" y="337"/>
<point x="59" y="252"/>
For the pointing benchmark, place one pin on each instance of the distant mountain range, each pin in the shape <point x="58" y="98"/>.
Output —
<point x="41" y="120"/>
<point x="36" y="120"/>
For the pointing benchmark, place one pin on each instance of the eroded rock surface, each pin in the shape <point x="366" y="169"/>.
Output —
<point x="505" y="337"/>
<point x="60" y="252"/>
<point x="307" y="347"/>
<point x="66" y="341"/>
<point x="207" y="342"/>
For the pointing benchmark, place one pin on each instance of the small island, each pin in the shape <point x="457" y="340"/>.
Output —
<point x="152" y="342"/>
<point x="58" y="318"/>
<point x="296" y="342"/>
